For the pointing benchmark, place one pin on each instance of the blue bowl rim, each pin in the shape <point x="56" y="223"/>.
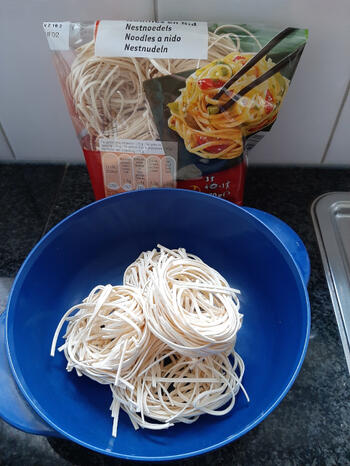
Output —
<point x="31" y="257"/>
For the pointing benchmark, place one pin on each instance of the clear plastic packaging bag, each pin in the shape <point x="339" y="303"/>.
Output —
<point x="174" y="103"/>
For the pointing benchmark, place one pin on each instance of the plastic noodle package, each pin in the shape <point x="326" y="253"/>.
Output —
<point x="172" y="103"/>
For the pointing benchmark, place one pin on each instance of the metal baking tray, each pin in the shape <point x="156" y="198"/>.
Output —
<point x="331" y="217"/>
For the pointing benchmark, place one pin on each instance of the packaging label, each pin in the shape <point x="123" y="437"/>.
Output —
<point x="57" y="34"/>
<point x="128" y="164"/>
<point x="150" y="39"/>
<point x="133" y="146"/>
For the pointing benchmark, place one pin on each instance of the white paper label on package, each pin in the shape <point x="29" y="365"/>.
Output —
<point x="150" y="39"/>
<point x="57" y="34"/>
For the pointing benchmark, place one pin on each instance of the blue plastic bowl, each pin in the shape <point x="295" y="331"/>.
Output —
<point x="94" y="246"/>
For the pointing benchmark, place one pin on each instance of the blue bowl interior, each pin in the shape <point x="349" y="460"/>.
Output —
<point x="94" y="246"/>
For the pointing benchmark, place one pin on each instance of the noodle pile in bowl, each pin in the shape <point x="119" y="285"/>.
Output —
<point x="163" y="341"/>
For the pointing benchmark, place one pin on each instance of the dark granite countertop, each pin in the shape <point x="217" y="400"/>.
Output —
<point x="312" y="424"/>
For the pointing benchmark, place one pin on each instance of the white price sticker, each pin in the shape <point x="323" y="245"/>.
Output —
<point x="150" y="39"/>
<point x="57" y="34"/>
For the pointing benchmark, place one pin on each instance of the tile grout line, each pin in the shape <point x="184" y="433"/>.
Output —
<point x="2" y="131"/>
<point x="334" y="127"/>
<point x="155" y="9"/>
<point x="54" y="201"/>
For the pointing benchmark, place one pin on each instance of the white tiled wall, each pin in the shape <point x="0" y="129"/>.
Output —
<point x="37" y="124"/>
<point x="5" y="151"/>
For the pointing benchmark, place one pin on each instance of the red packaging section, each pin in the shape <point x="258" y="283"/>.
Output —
<point x="227" y="184"/>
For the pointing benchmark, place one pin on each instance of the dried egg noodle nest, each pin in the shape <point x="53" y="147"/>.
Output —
<point x="139" y="272"/>
<point x="163" y="341"/>
<point x="191" y="307"/>
<point x="175" y="388"/>
<point x="107" y="92"/>
<point x="107" y="334"/>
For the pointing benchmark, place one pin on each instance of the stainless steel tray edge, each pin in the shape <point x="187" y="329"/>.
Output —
<point x="333" y="260"/>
